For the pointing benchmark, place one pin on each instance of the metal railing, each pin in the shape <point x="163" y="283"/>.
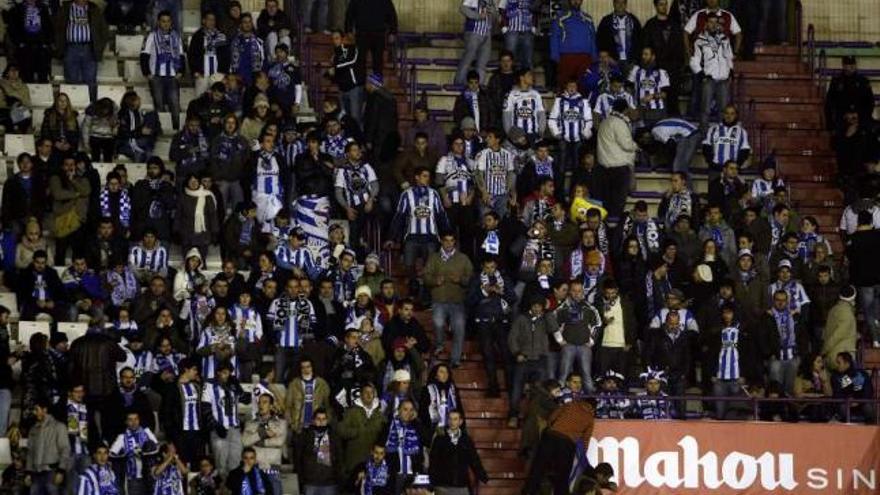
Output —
<point x="755" y="404"/>
<point x="799" y="27"/>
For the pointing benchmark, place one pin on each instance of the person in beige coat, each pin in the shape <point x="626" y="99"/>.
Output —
<point x="70" y="192"/>
<point x="266" y="429"/>
<point x="297" y="393"/>
<point x="840" y="334"/>
<point x="616" y="153"/>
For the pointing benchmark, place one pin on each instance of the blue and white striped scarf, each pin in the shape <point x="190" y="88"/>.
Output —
<point x="403" y="440"/>
<point x="124" y="206"/>
<point x="376" y="476"/>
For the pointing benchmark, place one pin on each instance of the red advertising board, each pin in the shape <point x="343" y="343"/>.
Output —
<point x="702" y="457"/>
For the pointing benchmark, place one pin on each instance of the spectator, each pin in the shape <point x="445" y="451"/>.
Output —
<point x="70" y="192"/>
<point x="848" y="382"/>
<point x="249" y="478"/>
<point x="480" y="17"/>
<point x="170" y="472"/>
<point x="670" y="350"/>
<point x="570" y="121"/>
<point x="727" y="140"/>
<point x="99" y="476"/>
<point x="447" y="273"/>
<point x="138" y="130"/>
<point x="424" y="124"/>
<point x="495" y="176"/>
<point x="319" y="456"/>
<point x="619" y="330"/>
<point x="360" y="428"/>
<point x="662" y="33"/>
<point x="133" y="449"/>
<point x="491" y="298"/>
<point x="48" y="455"/>
<point x="196" y="221"/>
<point x="16" y="110"/>
<point x="848" y="90"/>
<point x="306" y="394"/>
<point x="247" y="55"/>
<point x="163" y="61"/>
<point x="524" y="108"/>
<point x="518" y="27"/>
<point x="372" y="21"/>
<point x="80" y="37"/>
<point x="528" y="344"/>
<point x="500" y="83"/>
<point x="863" y="274"/>
<point x="31" y="35"/>
<point x="813" y="381"/>
<point x="24" y="196"/>
<point x="273" y="25"/>
<point x="616" y="153"/>
<point x="453" y="457"/>
<point x="208" y="52"/>
<point x="405" y="442"/>
<point x="61" y="125"/>
<point x="712" y="64"/>
<point x="620" y="34"/>
<point x="348" y="73"/>
<point x="573" y="42"/>
<point x="380" y="120"/>
<point x="651" y="85"/>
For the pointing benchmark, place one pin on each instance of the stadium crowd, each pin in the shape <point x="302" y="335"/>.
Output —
<point x="305" y="346"/>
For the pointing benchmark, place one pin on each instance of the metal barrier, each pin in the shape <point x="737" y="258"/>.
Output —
<point x="755" y="403"/>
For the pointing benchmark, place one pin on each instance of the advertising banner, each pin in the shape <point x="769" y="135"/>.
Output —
<point x="701" y="457"/>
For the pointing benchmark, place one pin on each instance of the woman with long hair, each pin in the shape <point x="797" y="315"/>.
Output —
<point x="60" y="124"/>
<point x="137" y="130"/>
<point x="217" y="343"/>
<point x="439" y="398"/>
<point x="196" y="222"/>
<point x="813" y="381"/>
<point x="70" y="193"/>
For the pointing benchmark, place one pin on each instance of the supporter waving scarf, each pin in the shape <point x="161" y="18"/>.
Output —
<point x="403" y="439"/>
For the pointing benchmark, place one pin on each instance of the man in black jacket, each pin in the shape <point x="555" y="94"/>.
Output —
<point x="24" y="195"/>
<point x="452" y="457"/>
<point x="319" y="455"/>
<point x="372" y="21"/>
<point x="664" y="35"/>
<point x="258" y="482"/>
<point x="670" y="350"/>
<point x="349" y="74"/>
<point x="211" y="107"/>
<point x="39" y="289"/>
<point x="473" y="102"/>
<point x="152" y="202"/>
<point x="403" y="325"/>
<point x="31" y="39"/>
<point x="105" y="247"/>
<point x="208" y="52"/>
<point x="865" y="271"/>
<point x="380" y="121"/>
<point x="849" y="89"/>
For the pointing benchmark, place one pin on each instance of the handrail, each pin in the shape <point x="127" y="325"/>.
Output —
<point x="811" y="50"/>
<point x="413" y="87"/>
<point x="753" y="400"/>
<point x="799" y="27"/>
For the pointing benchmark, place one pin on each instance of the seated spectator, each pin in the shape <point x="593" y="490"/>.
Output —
<point x="16" y="112"/>
<point x="61" y="125"/>
<point x="848" y="382"/>
<point x="138" y="129"/>
<point x="273" y="25"/>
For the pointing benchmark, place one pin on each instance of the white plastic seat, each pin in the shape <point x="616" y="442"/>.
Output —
<point x="10" y="301"/>
<point x="186" y="95"/>
<point x="146" y="98"/>
<point x="5" y="452"/>
<point x="78" y="94"/>
<point x="17" y="144"/>
<point x="103" y="168"/>
<point x="136" y="172"/>
<point x="163" y="149"/>
<point x="268" y="456"/>
<point x="192" y="20"/>
<point x="27" y="329"/>
<point x="38" y="115"/>
<point x="42" y="95"/>
<point x="108" y="72"/>
<point x="113" y="92"/>
<point x="129" y="46"/>
<point x="73" y="330"/>
<point x="132" y="72"/>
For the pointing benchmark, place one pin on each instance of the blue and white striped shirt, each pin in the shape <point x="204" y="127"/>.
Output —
<point x="153" y="260"/>
<point x="422" y="211"/>
<point x="524" y="109"/>
<point x="458" y="176"/>
<point x="480" y="27"/>
<point x="728" y="358"/>
<point x="606" y="100"/>
<point x="571" y="118"/>
<point x="291" y="150"/>
<point x="785" y="327"/>
<point x="289" y="258"/>
<point x="293" y="319"/>
<point x="165" y="52"/>
<point x="78" y="427"/>
<point x="653" y="406"/>
<point x="672" y="128"/>
<point x="726" y="141"/>
<point x="355" y="182"/>
<point x="797" y="296"/>
<point x="98" y="480"/>
<point x="190" y="396"/>
<point x="223" y="404"/>
<point x="248" y="324"/>
<point x="650" y="82"/>
<point x="268" y="174"/>
<point x="335" y="145"/>
<point x="209" y="336"/>
<point x="517" y="15"/>
<point x="78" y="28"/>
<point x="495" y="166"/>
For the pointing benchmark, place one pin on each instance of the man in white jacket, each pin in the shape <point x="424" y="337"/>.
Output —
<point x="524" y="108"/>
<point x="713" y="59"/>
<point x="616" y="152"/>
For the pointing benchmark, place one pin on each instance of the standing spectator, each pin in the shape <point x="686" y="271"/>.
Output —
<point x="196" y="221"/>
<point x="99" y="477"/>
<point x="848" y="382"/>
<point x="319" y="457"/>
<point x="221" y="397"/>
<point x="48" y="453"/>
<point x="573" y="42"/>
<point x="174" y="7"/>
<point x="490" y="298"/>
<point x="787" y="340"/>
<point x="24" y="196"/>
<point x="208" y="53"/>
<point x="99" y="129"/>
<point x="619" y="330"/>
<point x="31" y="36"/>
<point x="554" y="456"/>
<point x="348" y="73"/>
<point x="447" y="274"/>
<point x="380" y="119"/>
<point x="134" y="449"/>
<point x="620" y="34"/>
<point x="524" y="108"/>
<point x="80" y="37"/>
<point x="570" y="121"/>
<point x="698" y="21"/>
<point x="306" y="394"/>
<point x="480" y="16"/>
<point x="249" y="478"/>
<point x="424" y="124"/>
<point x="70" y="193"/>
<point x="169" y="473"/>
<point x="518" y="28"/>
<point x="726" y="140"/>
<point x="861" y="253"/>
<point x="315" y="21"/>
<point x="663" y="34"/>
<point x="247" y="55"/>
<point x="735" y="361"/>
<point x="495" y="176"/>
<point x="474" y="102"/>
<point x="500" y="83"/>
<point x="361" y="427"/>
<point x="405" y="442"/>
<point x="356" y="187"/>
<point x="848" y="90"/>
<point x="163" y="62"/>
<point x="712" y="64"/>
<point x="651" y="84"/>
<point x="840" y="333"/>
<point x="373" y="22"/>
<point x="453" y="457"/>
<point x="528" y="344"/>
<point x="616" y="152"/>
<point x="579" y="325"/>
<point x="669" y="349"/>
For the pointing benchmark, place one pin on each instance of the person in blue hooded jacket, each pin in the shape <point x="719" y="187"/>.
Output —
<point x="572" y="42"/>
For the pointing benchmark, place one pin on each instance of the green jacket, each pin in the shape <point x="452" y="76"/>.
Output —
<point x="359" y="433"/>
<point x="97" y="24"/>
<point x="448" y="280"/>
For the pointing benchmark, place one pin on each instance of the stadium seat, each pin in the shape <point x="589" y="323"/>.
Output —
<point x="42" y="95"/>
<point x="103" y="169"/>
<point x="132" y="72"/>
<point x="78" y="94"/>
<point x="129" y="46"/>
<point x="27" y="329"/>
<point x="186" y="95"/>
<point x="165" y="122"/>
<point x="108" y="72"/>
<point x="136" y="172"/>
<point x="163" y="148"/>
<point x="38" y="115"/>
<point x="73" y="330"/>
<point x="10" y="301"/>
<point x="268" y="456"/>
<point x="5" y="452"/>
<point x="15" y="144"/>
<point x="191" y="21"/>
<point x="115" y="93"/>
<point x="146" y="98"/>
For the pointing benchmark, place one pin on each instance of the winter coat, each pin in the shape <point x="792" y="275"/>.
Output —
<point x="451" y="463"/>
<point x="310" y="469"/>
<point x="839" y="334"/>
<point x="359" y="433"/>
<point x="48" y="446"/>
<point x="184" y="221"/>
<point x="532" y="344"/>
<point x="93" y="360"/>
<point x="70" y="196"/>
<point x="296" y="401"/>
<point x="97" y="25"/>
